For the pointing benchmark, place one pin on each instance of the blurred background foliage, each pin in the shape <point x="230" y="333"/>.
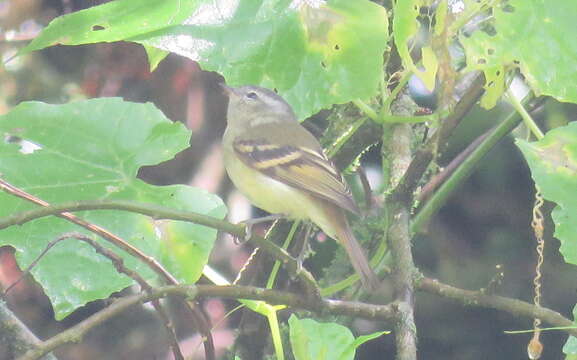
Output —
<point x="483" y="230"/>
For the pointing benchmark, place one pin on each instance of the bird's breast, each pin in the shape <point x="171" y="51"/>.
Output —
<point x="265" y="192"/>
<point x="276" y="197"/>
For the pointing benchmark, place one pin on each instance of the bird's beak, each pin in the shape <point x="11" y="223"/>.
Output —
<point x="227" y="90"/>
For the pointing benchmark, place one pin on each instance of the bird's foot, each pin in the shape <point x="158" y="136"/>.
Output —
<point x="249" y="223"/>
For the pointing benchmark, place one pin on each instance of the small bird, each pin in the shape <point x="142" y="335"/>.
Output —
<point x="280" y="166"/>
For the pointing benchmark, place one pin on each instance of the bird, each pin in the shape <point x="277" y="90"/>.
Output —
<point x="281" y="168"/>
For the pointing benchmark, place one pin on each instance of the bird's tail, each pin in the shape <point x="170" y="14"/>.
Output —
<point x="357" y="256"/>
<point x="343" y="233"/>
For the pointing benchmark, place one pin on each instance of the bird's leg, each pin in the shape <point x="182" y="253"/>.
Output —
<point x="249" y="223"/>
<point x="306" y="248"/>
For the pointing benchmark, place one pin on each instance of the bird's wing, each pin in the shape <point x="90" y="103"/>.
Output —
<point x="303" y="168"/>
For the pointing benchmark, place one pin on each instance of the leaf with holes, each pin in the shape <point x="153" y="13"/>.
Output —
<point x="92" y="150"/>
<point x="553" y="163"/>
<point x="494" y="87"/>
<point x="405" y="27"/>
<point x="112" y="21"/>
<point x="534" y="35"/>
<point x="314" y="53"/>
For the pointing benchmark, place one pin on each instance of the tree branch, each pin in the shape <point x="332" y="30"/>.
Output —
<point x="296" y="301"/>
<point x="397" y="143"/>
<point x="199" y="318"/>
<point x="512" y="306"/>
<point x="15" y="337"/>
<point x="405" y="175"/>
<point x="403" y="277"/>
<point x="437" y="142"/>
<point x="466" y="297"/>
<point x="118" y="263"/>
<point x="77" y="332"/>
<point x="160" y="212"/>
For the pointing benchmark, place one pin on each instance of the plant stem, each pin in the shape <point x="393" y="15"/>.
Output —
<point x="160" y="212"/>
<point x="369" y="111"/>
<point x="396" y="228"/>
<point x="527" y="119"/>
<point x="439" y="197"/>
<point x="386" y="108"/>
<point x="285" y="246"/>
<point x="342" y="140"/>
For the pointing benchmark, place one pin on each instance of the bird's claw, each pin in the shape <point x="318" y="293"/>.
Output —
<point x="249" y="223"/>
<point x="239" y="240"/>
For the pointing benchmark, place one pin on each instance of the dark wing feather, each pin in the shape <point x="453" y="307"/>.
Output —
<point x="302" y="168"/>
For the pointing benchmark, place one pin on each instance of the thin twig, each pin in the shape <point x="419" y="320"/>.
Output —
<point x="150" y="261"/>
<point x="118" y="263"/>
<point x="200" y="319"/>
<point x="160" y="212"/>
<point x="514" y="307"/>
<point x="336" y="307"/>
<point x="26" y="271"/>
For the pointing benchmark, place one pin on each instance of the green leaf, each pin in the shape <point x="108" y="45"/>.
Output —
<point x="570" y="347"/>
<point x="92" y="150"/>
<point x="312" y="340"/>
<point x="155" y="56"/>
<point x="351" y="349"/>
<point x="314" y="55"/>
<point x="113" y="21"/>
<point x="494" y="87"/>
<point x="405" y="26"/>
<point x="441" y="17"/>
<point x="533" y="33"/>
<point x="431" y="64"/>
<point x="553" y="163"/>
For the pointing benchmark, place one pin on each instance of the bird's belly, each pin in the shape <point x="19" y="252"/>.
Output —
<point x="267" y="193"/>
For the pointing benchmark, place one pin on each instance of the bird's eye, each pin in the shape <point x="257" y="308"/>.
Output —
<point x="252" y="95"/>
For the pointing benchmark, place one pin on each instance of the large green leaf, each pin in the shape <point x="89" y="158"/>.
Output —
<point x="92" y="150"/>
<point x="113" y="21"/>
<point x="312" y="340"/>
<point x="553" y="163"/>
<point x="314" y="53"/>
<point x="538" y="34"/>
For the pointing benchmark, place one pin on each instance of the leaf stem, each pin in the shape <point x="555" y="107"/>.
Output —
<point x="527" y="119"/>
<point x="386" y="107"/>
<point x="342" y="140"/>
<point x="369" y="111"/>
